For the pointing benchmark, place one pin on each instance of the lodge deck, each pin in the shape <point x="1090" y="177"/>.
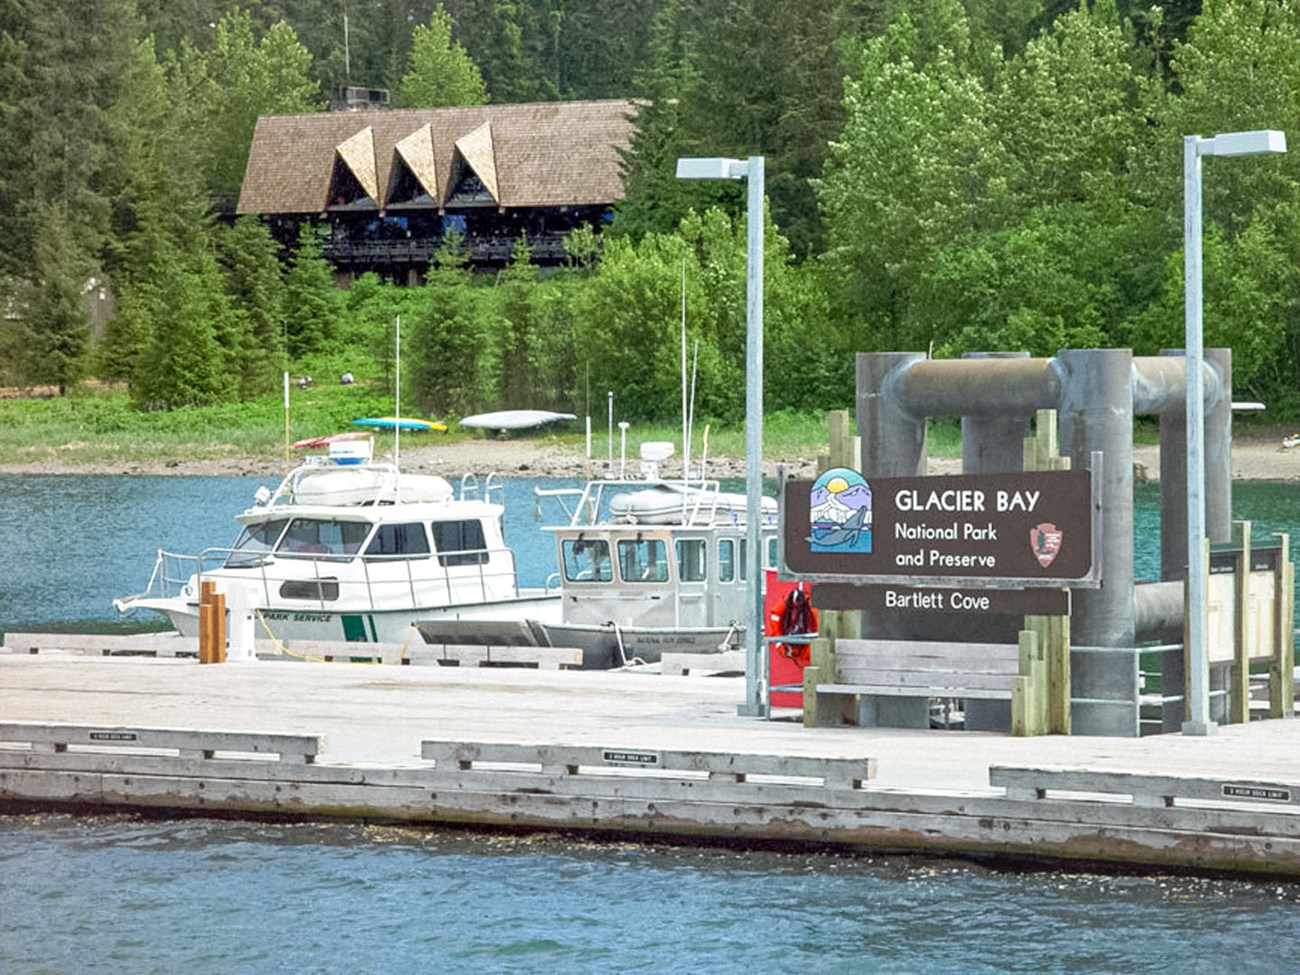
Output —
<point x="626" y="753"/>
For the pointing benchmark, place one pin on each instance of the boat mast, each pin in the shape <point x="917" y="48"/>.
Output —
<point x="286" y="422"/>
<point x="686" y="434"/>
<point x="397" y="404"/>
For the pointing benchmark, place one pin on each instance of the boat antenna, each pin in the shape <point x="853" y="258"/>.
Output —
<point x="286" y="422"/>
<point x="397" y="399"/>
<point x="695" y="368"/>
<point x="686" y="442"/>
<point x="610" y="465"/>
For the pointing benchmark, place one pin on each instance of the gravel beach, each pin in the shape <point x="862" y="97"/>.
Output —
<point x="1252" y="459"/>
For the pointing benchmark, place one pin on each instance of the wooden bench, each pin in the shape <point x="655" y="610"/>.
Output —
<point x="1148" y="790"/>
<point x="891" y="683"/>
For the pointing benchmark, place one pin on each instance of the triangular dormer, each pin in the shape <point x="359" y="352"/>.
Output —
<point x="474" y="169"/>
<point x="354" y="181"/>
<point x="414" y="177"/>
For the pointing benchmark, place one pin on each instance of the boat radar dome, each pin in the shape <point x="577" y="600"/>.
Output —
<point x="653" y="452"/>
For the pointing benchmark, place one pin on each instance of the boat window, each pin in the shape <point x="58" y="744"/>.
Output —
<point x="317" y="590"/>
<point x="744" y="559"/>
<point x="398" y="541"/>
<point x="254" y="542"/>
<point x="586" y="561"/>
<point x="643" y="560"/>
<point x="322" y="539"/>
<point x="771" y="552"/>
<point x="692" y="560"/>
<point x="726" y="560"/>
<point x="460" y="542"/>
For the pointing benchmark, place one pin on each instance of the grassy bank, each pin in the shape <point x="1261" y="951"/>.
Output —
<point x="99" y="427"/>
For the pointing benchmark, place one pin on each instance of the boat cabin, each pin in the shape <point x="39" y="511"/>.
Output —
<point x="369" y="537"/>
<point x="657" y="554"/>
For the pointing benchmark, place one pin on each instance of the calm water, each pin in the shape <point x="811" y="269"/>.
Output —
<point x="119" y="894"/>
<point x="113" y="895"/>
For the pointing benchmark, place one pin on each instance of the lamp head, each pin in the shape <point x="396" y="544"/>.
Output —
<point x="711" y="168"/>
<point x="1255" y="143"/>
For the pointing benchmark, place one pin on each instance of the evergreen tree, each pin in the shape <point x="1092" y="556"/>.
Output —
<point x="160" y="218"/>
<point x="224" y="90"/>
<point x="63" y="164"/>
<point x="312" y="301"/>
<point x="190" y="359"/>
<point x="654" y="200"/>
<point x="454" y="366"/>
<point x="56" y="322"/>
<point x="16" y="233"/>
<point x="506" y="39"/>
<point x="595" y="50"/>
<point x="255" y="284"/>
<point x="440" y="72"/>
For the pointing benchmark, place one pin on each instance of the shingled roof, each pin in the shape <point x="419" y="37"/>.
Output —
<point x="535" y="155"/>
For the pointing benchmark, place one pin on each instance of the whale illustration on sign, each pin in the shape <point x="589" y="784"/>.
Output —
<point x="840" y="512"/>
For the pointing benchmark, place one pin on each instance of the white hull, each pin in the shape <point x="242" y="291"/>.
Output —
<point x="363" y="625"/>
<point x="605" y="646"/>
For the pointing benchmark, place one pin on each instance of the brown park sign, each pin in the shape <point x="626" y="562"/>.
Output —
<point x="993" y="530"/>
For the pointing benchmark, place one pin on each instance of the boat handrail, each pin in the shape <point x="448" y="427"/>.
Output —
<point x="469" y="486"/>
<point x="701" y="498"/>
<point x="472" y="490"/>
<point x="173" y="573"/>
<point x="285" y="494"/>
<point x="494" y="483"/>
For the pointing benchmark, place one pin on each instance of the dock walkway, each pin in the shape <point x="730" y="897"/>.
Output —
<point x="627" y="753"/>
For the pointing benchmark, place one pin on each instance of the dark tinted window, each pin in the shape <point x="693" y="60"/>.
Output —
<point x="317" y="590"/>
<point x="393" y="541"/>
<point x="459" y="542"/>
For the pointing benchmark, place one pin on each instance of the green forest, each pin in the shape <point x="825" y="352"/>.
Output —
<point x="942" y="176"/>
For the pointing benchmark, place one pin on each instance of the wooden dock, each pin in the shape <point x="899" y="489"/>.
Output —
<point x="415" y="651"/>
<point x="626" y="754"/>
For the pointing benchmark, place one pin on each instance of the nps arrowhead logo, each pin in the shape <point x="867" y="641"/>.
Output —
<point x="1045" y="542"/>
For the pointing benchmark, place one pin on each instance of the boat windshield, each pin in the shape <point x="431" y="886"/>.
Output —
<point x="586" y="561"/>
<point x="643" y="560"/>
<point x="317" y="538"/>
<point x="254" y="542"/>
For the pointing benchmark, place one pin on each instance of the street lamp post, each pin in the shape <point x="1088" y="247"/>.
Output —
<point x="751" y="170"/>
<point x="1194" y="147"/>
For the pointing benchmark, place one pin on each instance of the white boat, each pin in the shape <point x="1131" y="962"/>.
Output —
<point x="347" y="549"/>
<point x="648" y="566"/>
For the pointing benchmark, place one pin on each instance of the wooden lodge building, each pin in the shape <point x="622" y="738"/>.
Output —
<point x="389" y="184"/>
